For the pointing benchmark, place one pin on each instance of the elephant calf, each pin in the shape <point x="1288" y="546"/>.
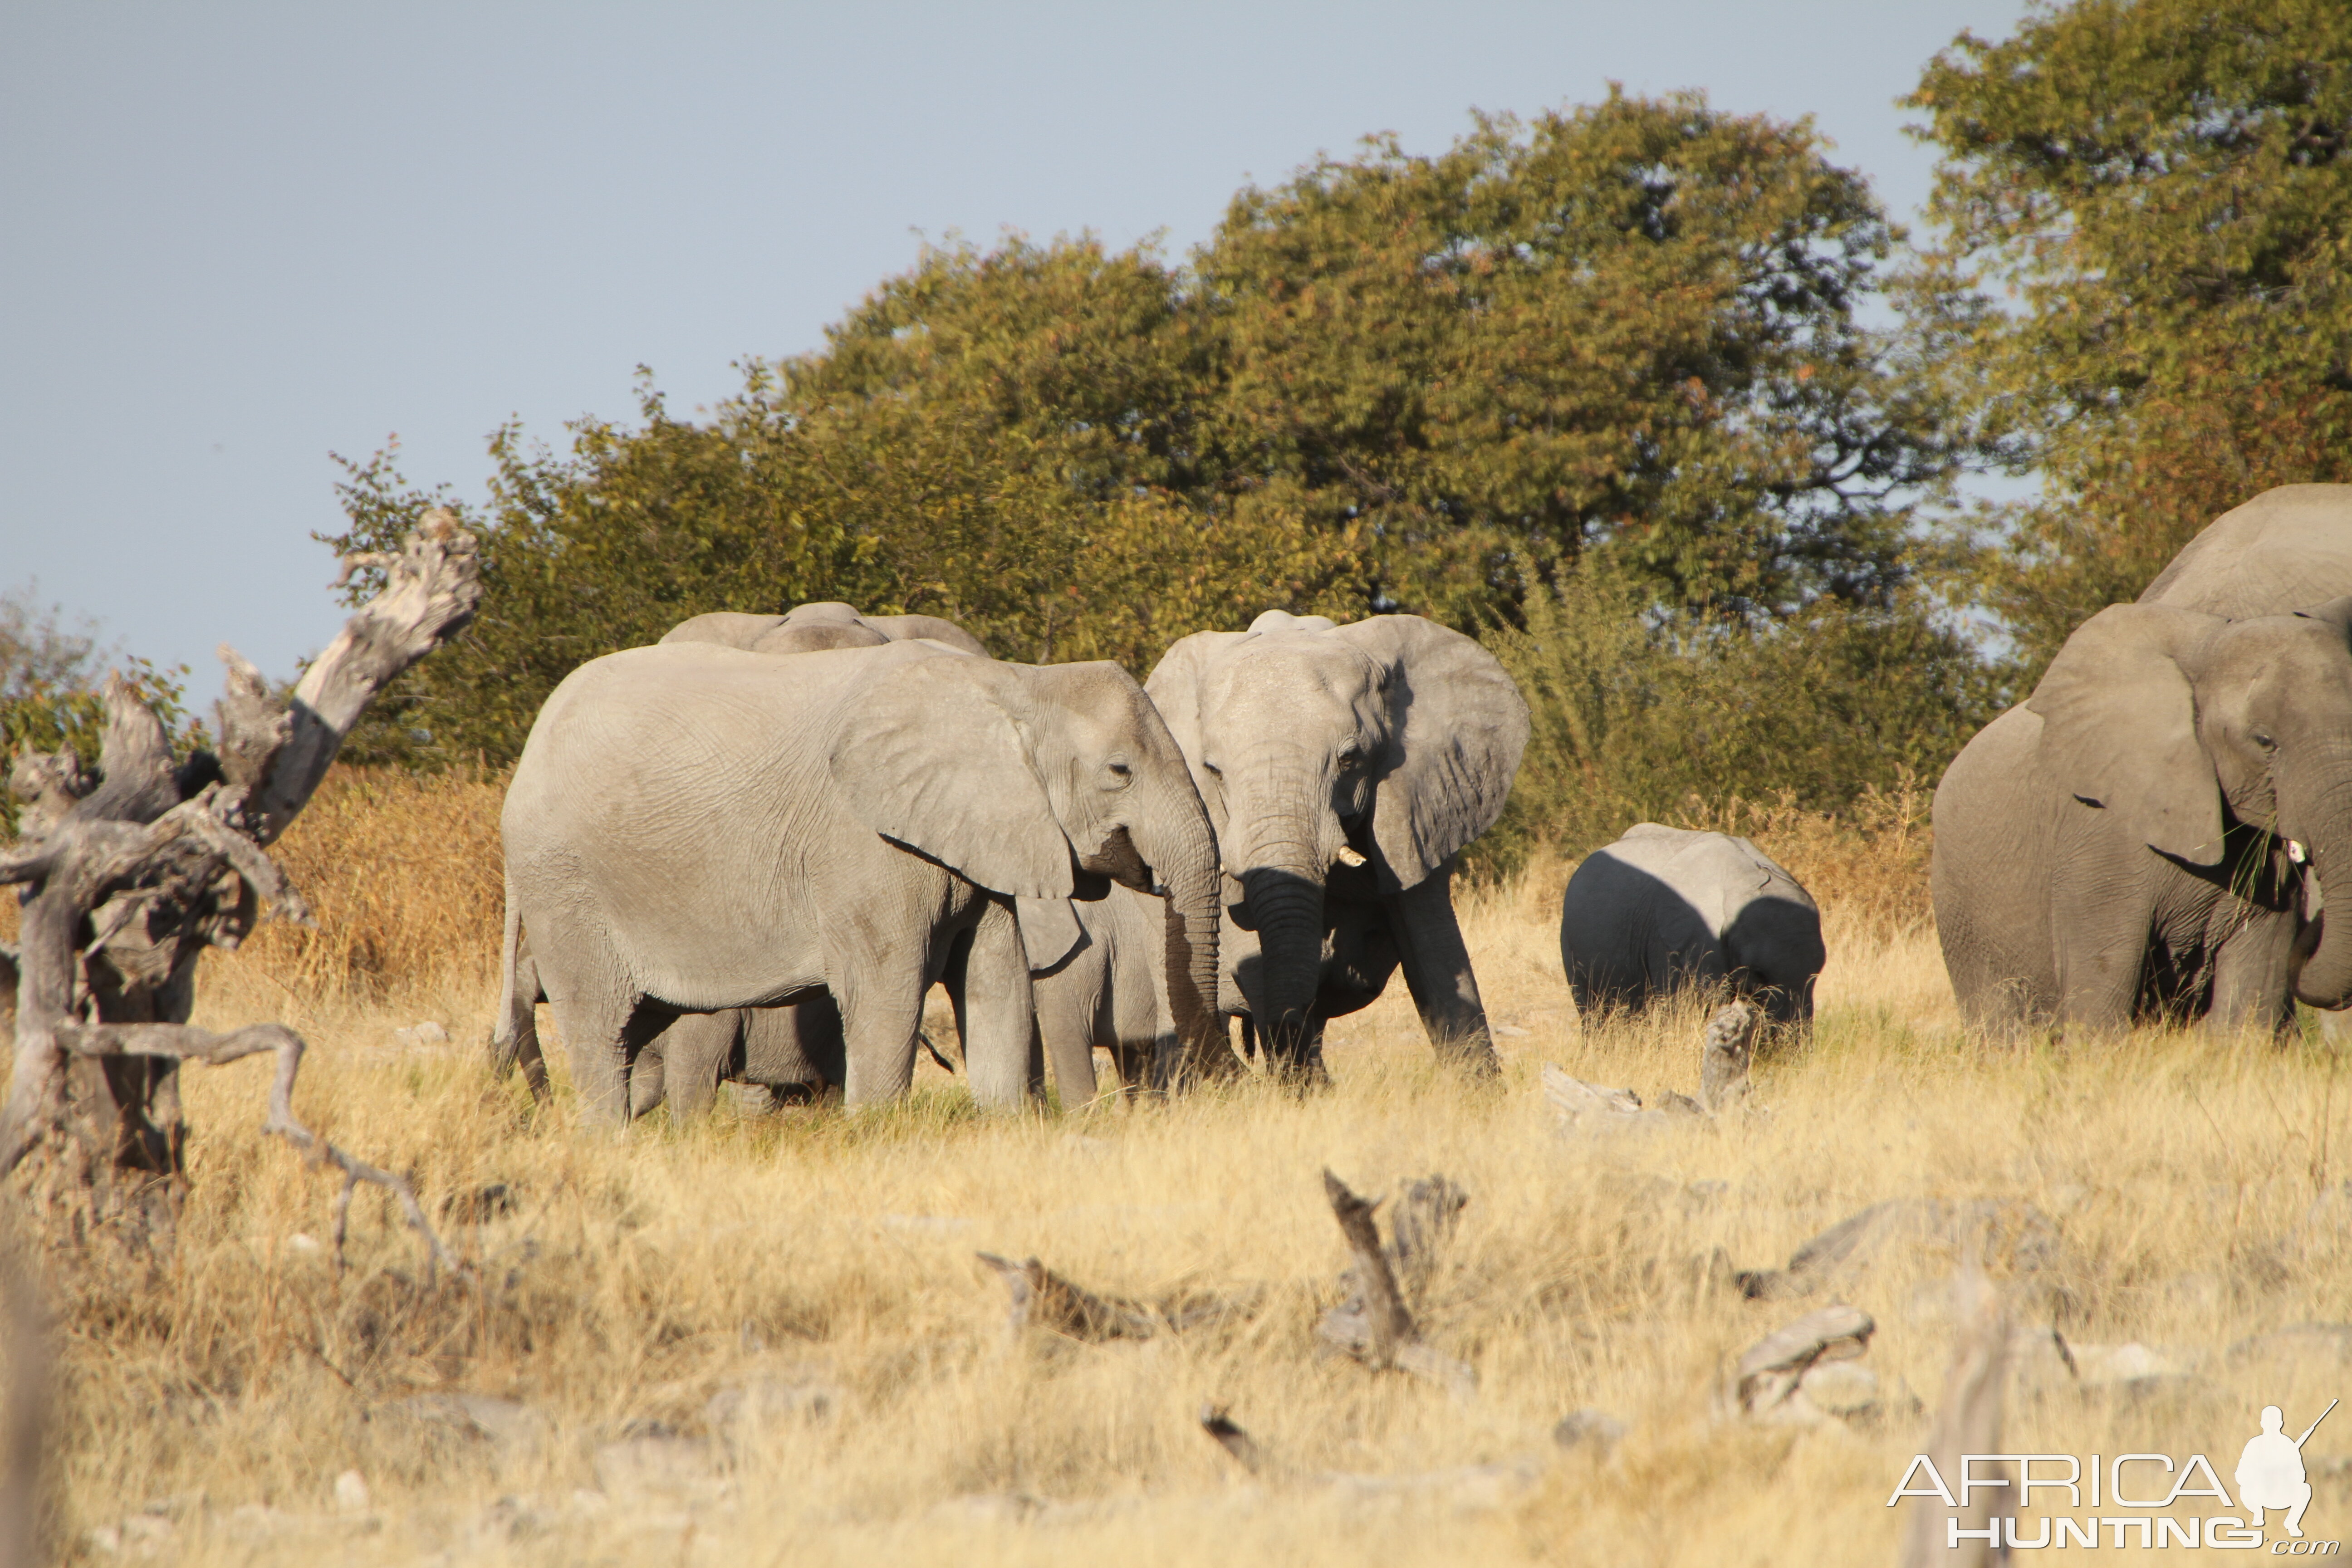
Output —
<point x="1665" y="908"/>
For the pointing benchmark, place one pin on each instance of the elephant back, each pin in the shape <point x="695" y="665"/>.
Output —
<point x="2285" y="550"/>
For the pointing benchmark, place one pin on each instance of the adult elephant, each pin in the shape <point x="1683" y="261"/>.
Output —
<point x="2130" y="841"/>
<point x="1344" y="768"/>
<point x="1664" y="907"/>
<point x="2287" y="549"/>
<point x="693" y="828"/>
<point x="815" y="626"/>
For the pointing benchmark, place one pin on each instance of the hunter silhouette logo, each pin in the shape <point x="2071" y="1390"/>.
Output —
<point x="2269" y="1472"/>
<point x="2131" y="1499"/>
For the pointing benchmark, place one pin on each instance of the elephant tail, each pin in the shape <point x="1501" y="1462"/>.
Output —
<point x="516" y="1037"/>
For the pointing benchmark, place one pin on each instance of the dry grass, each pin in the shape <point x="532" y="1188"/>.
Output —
<point x="637" y="1274"/>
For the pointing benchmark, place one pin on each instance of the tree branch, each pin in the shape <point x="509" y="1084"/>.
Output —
<point x="179" y="1042"/>
<point x="430" y="595"/>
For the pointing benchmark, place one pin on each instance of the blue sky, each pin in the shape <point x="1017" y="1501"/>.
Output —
<point x="235" y="238"/>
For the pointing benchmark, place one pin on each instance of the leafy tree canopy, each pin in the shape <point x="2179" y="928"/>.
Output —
<point x="2146" y="208"/>
<point x="1625" y="332"/>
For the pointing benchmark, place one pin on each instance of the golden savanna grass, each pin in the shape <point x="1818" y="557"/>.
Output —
<point x="636" y="1276"/>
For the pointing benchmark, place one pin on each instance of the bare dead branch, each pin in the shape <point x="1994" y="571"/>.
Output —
<point x="1374" y="1325"/>
<point x="254" y="724"/>
<point x="430" y="595"/>
<point x="1967" y="1423"/>
<point x="1220" y="1429"/>
<point x="1043" y="1298"/>
<point x="48" y="784"/>
<point x="135" y="760"/>
<point x="1385" y="1324"/>
<point x="179" y="1042"/>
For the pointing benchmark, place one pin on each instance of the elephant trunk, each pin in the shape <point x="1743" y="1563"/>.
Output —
<point x="1288" y="906"/>
<point x="1284" y="837"/>
<point x="1185" y="859"/>
<point x="2325" y="810"/>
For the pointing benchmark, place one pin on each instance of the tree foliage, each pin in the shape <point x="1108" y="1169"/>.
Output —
<point x="51" y="674"/>
<point x="1620" y="338"/>
<point x="2145" y="207"/>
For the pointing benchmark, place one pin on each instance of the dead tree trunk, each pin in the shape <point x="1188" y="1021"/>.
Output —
<point x="127" y="880"/>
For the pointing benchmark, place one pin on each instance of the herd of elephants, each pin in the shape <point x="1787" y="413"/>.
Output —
<point x="748" y="852"/>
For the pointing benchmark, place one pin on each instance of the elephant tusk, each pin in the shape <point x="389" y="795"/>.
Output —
<point x="2295" y="852"/>
<point x="1349" y="856"/>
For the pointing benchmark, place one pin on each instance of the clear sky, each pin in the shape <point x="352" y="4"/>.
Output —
<point x="235" y="238"/>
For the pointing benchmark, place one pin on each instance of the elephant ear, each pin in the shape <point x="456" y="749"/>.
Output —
<point x="1049" y="931"/>
<point x="932" y="758"/>
<point x="1174" y="687"/>
<point x="1459" y="726"/>
<point x="2336" y="613"/>
<point x="2119" y="728"/>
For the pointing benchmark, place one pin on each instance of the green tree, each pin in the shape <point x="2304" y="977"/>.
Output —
<point x="1393" y="383"/>
<point x="1627" y="328"/>
<point x="2146" y="207"/>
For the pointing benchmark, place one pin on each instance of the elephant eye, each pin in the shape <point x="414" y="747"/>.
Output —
<point x="1214" y="771"/>
<point x="1351" y="755"/>
<point x="1121" y="771"/>
<point x="2263" y="739"/>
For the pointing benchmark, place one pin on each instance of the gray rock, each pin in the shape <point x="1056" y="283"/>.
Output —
<point x="656" y="1463"/>
<point x="514" y="1429"/>
<point x="1588" y="1428"/>
<point x="1841" y="1389"/>
<point x="740" y="1411"/>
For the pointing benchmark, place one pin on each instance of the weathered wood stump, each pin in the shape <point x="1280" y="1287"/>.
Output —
<point x="130" y="875"/>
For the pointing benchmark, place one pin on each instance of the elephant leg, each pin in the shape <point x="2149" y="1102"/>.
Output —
<point x="879" y="1019"/>
<point x="1070" y="1008"/>
<point x="604" y="1033"/>
<point x="1001" y="1059"/>
<point x="2250" y="983"/>
<point x="649" y="1076"/>
<point x="697" y="1052"/>
<point x="2101" y="955"/>
<point x="1438" y="969"/>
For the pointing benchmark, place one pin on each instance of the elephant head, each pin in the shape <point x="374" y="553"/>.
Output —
<point x="2179" y="724"/>
<point x="1043" y="783"/>
<point x="1384" y="745"/>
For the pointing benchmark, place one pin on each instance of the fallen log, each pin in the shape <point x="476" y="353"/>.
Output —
<point x="1373" y="1324"/>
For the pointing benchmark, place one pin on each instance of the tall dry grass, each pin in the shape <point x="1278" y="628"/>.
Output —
<point x="635" y="1276"/>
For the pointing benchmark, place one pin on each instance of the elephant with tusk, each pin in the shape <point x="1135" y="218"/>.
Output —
<point x="2145" y="837"/>
<point x="1344" y="767"/>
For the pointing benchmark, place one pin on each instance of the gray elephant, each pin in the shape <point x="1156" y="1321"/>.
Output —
<point x="2288" y="548"/>
<point x="815" y="626"/>
<point x="796" y="1048"/>
<point x="1665" y="908"/>
<point x="1110" y="992"/>
<point x="692" y="828"/>
<point x="2131" y="841"/>
<point x="1344" y="768"/>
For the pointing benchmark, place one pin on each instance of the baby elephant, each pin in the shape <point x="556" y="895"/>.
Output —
<point x="1664" y="907"/>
